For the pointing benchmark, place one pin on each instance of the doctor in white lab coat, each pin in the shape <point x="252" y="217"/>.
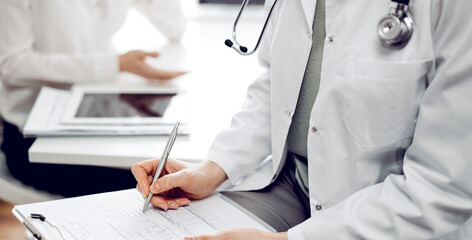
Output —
<point x="389" y="143"/>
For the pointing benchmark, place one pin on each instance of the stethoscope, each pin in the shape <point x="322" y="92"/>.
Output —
<point x="394" y="30"/>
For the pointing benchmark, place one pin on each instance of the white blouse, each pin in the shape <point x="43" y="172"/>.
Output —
<point x="58" y="43"/>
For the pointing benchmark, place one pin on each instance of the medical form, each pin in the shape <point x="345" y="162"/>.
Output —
<point x="119" y="215"/>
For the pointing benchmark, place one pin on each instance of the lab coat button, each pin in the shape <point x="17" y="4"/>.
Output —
<point x="318" y="207"/>
<point x="289" y="113"/>
<point x="330" y="39"/>
<point x="314" y="130"/>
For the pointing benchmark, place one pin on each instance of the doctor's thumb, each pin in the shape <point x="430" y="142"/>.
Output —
<point x="167" y="182"/>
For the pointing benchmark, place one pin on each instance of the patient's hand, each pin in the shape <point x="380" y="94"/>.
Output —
<point x="134" y="62"/>
<point x="180" y="181"/>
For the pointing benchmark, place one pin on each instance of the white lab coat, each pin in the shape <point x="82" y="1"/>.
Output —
<point x="391" y="154"/>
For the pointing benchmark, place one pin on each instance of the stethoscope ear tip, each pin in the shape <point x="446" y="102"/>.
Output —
<point x="228" y="43"/>
<point x="241" y="49"/>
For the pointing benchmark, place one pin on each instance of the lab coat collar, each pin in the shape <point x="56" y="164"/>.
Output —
<point x="309" y="7"/>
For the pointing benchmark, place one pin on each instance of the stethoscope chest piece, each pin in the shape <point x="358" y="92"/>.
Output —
<point x="396" y="28"/>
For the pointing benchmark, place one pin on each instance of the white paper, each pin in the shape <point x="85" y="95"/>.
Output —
<point x="45" y="119"/>
<point x="119" y="215"/>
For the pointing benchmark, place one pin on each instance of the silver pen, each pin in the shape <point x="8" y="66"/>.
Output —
<point x="162" y="162"/>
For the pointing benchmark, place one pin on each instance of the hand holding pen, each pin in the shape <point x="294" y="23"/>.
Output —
<point x="170" y="184"/>
<point x="162" y="162"/>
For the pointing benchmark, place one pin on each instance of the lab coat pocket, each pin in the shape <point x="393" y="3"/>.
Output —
<point x="381" y="99"/>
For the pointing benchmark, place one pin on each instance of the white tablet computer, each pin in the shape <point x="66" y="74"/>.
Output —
<point x="132" y="106"/>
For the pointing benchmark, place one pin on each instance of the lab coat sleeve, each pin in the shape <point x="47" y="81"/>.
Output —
<point x="247" y="143"/>
<point x="165" y="15"/>
<point x="434" y="196"/>
<point x="19" y="63"/>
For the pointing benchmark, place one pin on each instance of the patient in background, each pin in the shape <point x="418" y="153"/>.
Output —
<point x="58" y="43"/>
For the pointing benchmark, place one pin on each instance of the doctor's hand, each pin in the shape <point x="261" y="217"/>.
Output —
<point x="242" y="234"/>
<point x="180" y="181"/>
<point x="134" y="62"/>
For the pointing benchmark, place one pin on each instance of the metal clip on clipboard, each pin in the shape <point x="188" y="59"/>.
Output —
<point x="27" y="223"/>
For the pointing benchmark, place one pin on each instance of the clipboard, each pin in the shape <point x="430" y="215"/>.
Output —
<point x="25" y="221"/>
<point x="119" y="215"/>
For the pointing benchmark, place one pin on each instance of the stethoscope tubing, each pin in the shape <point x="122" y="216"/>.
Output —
<point x="399" y="10"/>
<point x="241" y="47"/>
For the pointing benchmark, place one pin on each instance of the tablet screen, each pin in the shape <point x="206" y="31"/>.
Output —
<point x="123" y="105"/>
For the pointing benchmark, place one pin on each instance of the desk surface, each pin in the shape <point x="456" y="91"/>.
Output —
<point x="215" y="87"/>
